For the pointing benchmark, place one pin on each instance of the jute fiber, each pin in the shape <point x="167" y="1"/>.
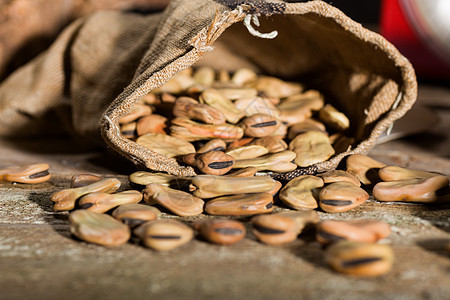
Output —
<point x="101" y="65"/>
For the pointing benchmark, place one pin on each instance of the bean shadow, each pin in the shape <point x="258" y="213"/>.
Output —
<point x="436" y="214"/>
<point x="112" y="161"/>
<point x="308" y="249"/>
<point x="440" y="246"/>
<point x="439" y="216"/>
<point x="59" y="144"/>
<point x="68" y="152"/>
<point x="429" y="141"/>
<point x="43" y="200"/>
<point x="59" y="221"/>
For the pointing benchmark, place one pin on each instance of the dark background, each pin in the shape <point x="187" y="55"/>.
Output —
<point x="365" y="11"/>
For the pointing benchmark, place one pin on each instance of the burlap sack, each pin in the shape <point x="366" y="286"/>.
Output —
<point x="357" y="70"/>
<point x="28" y="27"/>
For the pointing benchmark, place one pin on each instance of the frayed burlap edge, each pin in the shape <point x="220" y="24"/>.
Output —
<point x="202" y="44"/>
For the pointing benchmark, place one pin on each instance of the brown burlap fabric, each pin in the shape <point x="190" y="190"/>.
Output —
<point x="28" y="27"/>
<point x="123" y="56"/>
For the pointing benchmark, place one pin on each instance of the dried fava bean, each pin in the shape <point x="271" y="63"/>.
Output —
<point x="213" y="145"/>
<point x="240" y="142"/>
<point x="98" y="228"/>
<point x="369" y="231"/>
<point x="335" y="136"/>
<point x="164" y="235"/>
<point x="150" y="99"/>
<point x="211" y="162"/>
<point x="215" y="99"/>
<point x="134" y="215"/>
<point x="245" y="172"/>
<point x="179" y="202"/>
<point x="305" y="96"/>
<point x="343" y="143"/>
<point x="240" y="205"/>
<point x="303" y="218"/>
<point x="431" y="189"/>
<point x="281" y="131"/>
<point x="246" y="152"/>
<point x="260" y="125"/>
<point x="244" y="76"/>
<point x="274" y="100"/>
<point x="214" y="162"/>
<point x="166" y="145"/>
<point x="360" y="259"/>
<point x="224" y="76"/>
<point x="275" y="229"/>
<point x="393" y="173"/>
<point x="168" y="98"/>
<point x="311" y="147"/>
<point x="257" y="105"/>
<point x="334" y="118"/>
<point x="35" y="173"/>
<point x="189" y="108"/>
<point x="196" y="89"/>
<point x="364" y="168"/>
<point x="144" y="178"/>
<point x="65" y="199"/>
<point x="276" y="188"/>
<point x="102" y="202"/>
<point x="151" y="124"/>
<point x="277" y="162"/>
<point x="275" y="87"/>
<point x="83" y="179"/>
<point x="337" y="176"/>
<point x="185" y="73"/>
<point x="281" y="228"/>
<point x="298" y="108"/>
<point x="204" y="76"/>
<point x="189" y="158"/>
<point x="237" y="93"/>
<point x="302" y="192"/>
<point x="220" y="231"/>
<point x="305" y="126"/>
<point x="194" y="131"/>
<point x="129" y="130"/>
<point x="341" y="196"/>
<point x="137" y="111"/>
<point x="272" y="143"/>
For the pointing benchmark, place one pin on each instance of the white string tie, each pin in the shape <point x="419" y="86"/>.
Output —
<point x="394" y="106"/>
<point x="248" y="23"/>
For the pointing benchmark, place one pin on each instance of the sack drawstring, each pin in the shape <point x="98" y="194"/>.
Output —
<point x="394" y="106"/>
<point x="112" y="125"/>
<point x="248" y="23"/>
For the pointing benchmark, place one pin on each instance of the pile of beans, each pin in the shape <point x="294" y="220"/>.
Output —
<point x="235" y="130"/>
<point x="218" y="122"/>
<point x="101" y="215"/>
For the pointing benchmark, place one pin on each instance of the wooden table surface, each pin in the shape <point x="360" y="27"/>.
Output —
<point x="39" y="259"/>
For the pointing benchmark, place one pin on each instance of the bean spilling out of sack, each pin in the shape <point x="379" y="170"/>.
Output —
<point x="104" y="217"/>
<point x="236" y="129"/>
<point x="219" y="122"/>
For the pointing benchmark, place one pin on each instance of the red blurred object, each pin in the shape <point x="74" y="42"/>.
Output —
<point x="415" y="32"/>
